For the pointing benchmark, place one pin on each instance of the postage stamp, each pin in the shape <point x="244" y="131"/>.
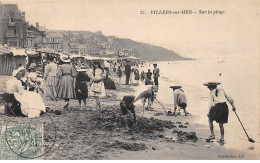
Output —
<point x="21" y="141"/>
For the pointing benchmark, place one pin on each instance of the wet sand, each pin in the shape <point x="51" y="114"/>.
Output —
<point x="91" y="134"/>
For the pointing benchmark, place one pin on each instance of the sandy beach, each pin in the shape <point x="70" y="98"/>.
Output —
<point x="91" y="134"/>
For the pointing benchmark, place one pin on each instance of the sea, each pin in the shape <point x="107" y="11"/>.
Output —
<point x="239" y="77"/>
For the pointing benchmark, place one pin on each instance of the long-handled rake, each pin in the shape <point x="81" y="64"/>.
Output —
<point x="249" y="139"/>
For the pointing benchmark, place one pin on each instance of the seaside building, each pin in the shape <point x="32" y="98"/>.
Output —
<point x="53" y="41"/>
<point x="12" y="26"/>
<point x="34" y="37"/>
<point x="77" y="49"/>
<point x="110" y="42"/>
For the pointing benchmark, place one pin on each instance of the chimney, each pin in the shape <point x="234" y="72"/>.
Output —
<point x="23" y="16"/>
<point x="37" y="25"/>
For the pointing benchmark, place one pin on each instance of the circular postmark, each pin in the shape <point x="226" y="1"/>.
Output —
<point x="29" y="140"/>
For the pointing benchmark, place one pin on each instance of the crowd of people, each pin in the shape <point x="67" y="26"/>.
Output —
<point x="133" y="72"/>
<point x="65" y="81"/>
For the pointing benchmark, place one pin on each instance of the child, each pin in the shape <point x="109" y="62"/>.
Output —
<point x="142" y="75"/>
<point x="146" y="95"/>
<point x="179" y="99"/>
<point x="128" y="110"/>
<point x="81" y="87"/>
<point x="119" y="73"/>
<point x="31" y="78"/>
<point x="218" y="109"/>
<point x="137" y="76"/>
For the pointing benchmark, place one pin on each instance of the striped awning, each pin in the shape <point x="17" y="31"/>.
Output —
<point x="46" y="50"/>
<point x="18" y="52"/>
<point x="4" y="51"/>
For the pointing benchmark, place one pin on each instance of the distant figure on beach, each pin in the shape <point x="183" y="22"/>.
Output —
<point x="149" y="74"/>
<point x="148" y="78"/>
<point x="142" y="75"/>
<point x="218" y="109"/>
<point x="128" y="110"/>
<point x="156" y="74"/>
<point x="137" y="75"/>
<point x="179" y="99"/>
<point x="119" y="73"/>
<point x="81" y="87"/>
<point x="127" y="72"/>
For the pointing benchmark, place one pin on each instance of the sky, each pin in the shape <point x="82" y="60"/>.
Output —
<point x="234" y="33"/>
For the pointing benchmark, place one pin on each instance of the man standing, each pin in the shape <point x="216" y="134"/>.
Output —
<point x="156" y="74"/>
<point x="127" y="72"/>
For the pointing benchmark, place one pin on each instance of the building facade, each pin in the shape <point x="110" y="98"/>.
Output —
<point x="34" y="37"/>
<point x="53" y="41"/>
<point x="12" y="26"/>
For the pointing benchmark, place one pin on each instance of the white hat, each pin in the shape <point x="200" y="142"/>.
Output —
<point x="21" y="68"/>
<point x="64" y="58"/>
<point x="15" y="72"/>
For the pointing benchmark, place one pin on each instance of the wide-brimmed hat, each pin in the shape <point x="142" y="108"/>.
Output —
<point x="15" y="72"/>
<point x="31" y="67"/>
<point x="64" y="58"/>
<point x="175" y="87"/>
<point x="96" y="63"/>
<point x="155" y="64"/>
<point x="21" y="68"/>
<point x="211" y="84"/>
<point x="82" y="69"/>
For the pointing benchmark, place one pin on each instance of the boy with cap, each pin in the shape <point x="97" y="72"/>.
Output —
<point x="156" y="74"/>
<point x="128" y="110"/>
<point x="179" y="99"/>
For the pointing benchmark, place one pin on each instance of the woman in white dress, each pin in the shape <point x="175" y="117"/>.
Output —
<point x="97" y="84"/>
<point x="31" y="103"/>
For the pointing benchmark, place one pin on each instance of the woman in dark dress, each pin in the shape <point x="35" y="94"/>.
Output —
<point x="81" y="87"/>
<point x="119" y="73"/>
<point x="137" y="75"/>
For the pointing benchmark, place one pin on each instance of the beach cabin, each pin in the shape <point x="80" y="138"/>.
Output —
<point x="77" y="60"/>
<point x="32" y="56"/>
<point x="133" y="60"/>
<point x="10" y="60"/>
<point x="46" y="53"/>
<point x="89" y="60"/>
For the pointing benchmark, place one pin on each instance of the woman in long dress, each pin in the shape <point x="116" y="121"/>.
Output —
<point x="97" y="84"/>
<point x="66" y="74"/>
<point x="31" y="103"/>
<point x="50" y="79"/>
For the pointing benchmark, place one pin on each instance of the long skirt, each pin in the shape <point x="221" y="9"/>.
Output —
<point x="81" y="90"/>
<point x="65" y="87"/>
<point x="31" y="103"/>
<point x="219" y="113"/>
<point x="50" y="90"/>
